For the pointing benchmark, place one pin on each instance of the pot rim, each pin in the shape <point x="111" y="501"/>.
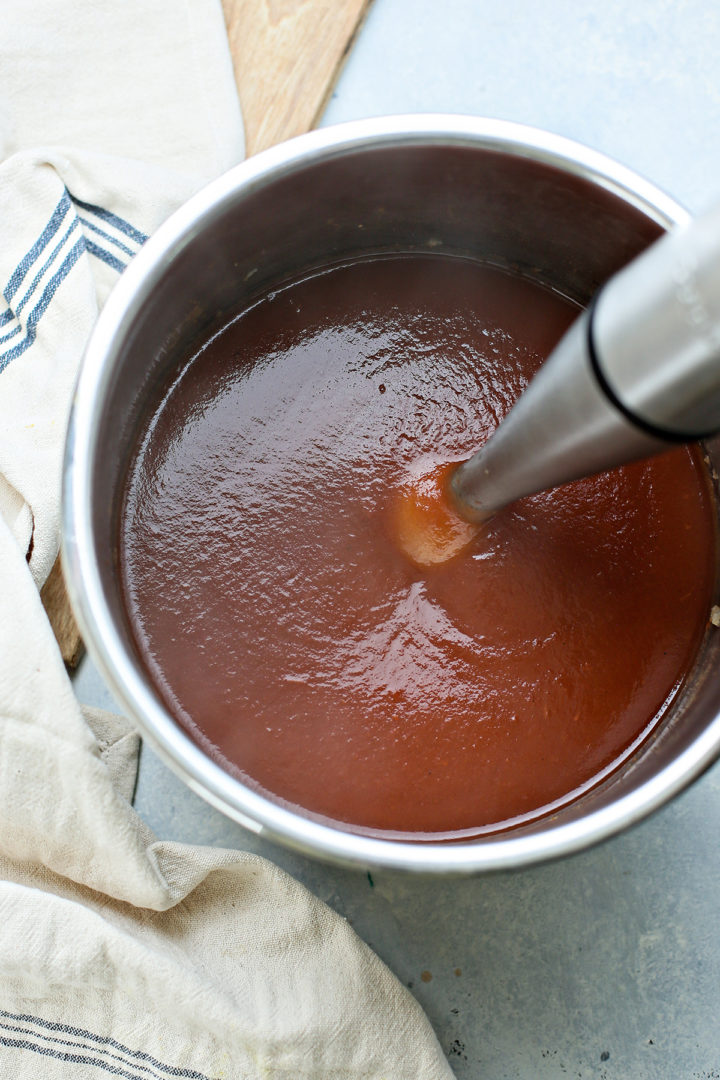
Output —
<point x="251" y="809"/>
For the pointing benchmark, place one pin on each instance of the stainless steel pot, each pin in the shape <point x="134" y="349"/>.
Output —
<point x="512" y="195"/>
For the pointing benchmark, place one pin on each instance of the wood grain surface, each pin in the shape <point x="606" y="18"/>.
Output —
<point x="286" y="55"/>
<point x="57" y="606"/>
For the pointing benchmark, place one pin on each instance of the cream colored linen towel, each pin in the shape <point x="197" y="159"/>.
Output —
<point x="121" y="955"/>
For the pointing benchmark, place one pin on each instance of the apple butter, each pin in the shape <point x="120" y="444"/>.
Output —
<point x="289" y="632"/>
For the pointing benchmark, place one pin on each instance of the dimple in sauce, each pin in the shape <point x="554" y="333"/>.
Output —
<point x="284" y="624"/>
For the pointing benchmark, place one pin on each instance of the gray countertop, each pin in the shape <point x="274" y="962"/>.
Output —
<point x="607" y="964"/>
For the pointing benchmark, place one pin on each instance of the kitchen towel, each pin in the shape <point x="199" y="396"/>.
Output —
<point x="121" y="954"/>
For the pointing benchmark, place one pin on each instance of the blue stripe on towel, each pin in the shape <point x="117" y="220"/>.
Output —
<point x="97" y="1044"/>
<point x="38" y="277"/>
<point x="83" y="245"/>
<point x="18" y="275"/>
<point x="101" y="232"/>
<point x="56" y="1043"/>
<point x="92" y="249"/>
<point x="112" y="219"/>
<point x="37" y="312"/>
<point x="15" y="330"/>
<point x="48" y="262"/>
<point x="101" y="253"/>
<point x="74" y="1059"/>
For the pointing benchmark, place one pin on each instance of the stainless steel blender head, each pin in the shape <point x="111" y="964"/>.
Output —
<point x="637" y="372"/>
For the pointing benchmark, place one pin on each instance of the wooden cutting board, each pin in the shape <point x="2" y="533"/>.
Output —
<point x="287" y="55"/>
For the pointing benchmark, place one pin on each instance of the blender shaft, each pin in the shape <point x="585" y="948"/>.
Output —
<point x="635" y="373"/>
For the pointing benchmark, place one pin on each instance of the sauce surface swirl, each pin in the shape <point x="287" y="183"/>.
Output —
<point x="290" y="634"/>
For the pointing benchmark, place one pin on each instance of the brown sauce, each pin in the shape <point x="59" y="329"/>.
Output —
<point x="290" y="634"/>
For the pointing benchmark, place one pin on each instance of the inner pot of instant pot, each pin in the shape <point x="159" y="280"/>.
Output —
<point x="511" y="197"/>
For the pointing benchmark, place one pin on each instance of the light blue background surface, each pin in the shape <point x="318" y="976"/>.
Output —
<point x="613" y="952"/>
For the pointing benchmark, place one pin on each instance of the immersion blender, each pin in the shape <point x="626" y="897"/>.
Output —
<point x="637" y="372"/>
